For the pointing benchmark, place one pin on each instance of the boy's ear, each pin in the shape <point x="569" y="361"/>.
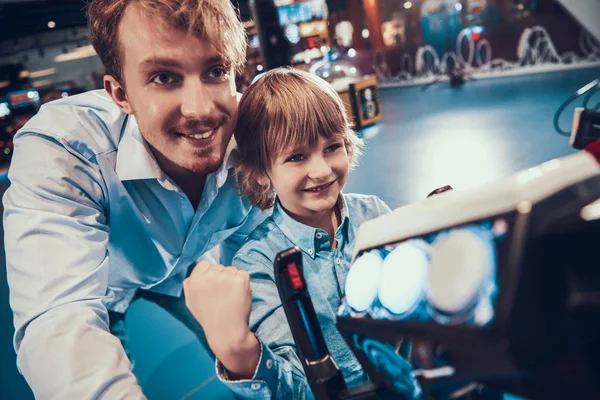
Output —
<point x="263" y="180"/>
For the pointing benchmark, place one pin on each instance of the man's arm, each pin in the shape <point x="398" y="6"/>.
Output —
<point x="56" y="236"/>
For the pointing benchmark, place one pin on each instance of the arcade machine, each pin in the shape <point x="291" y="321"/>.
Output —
<point x="4" y="135"/>
<point x="293" y="32"/>
<point x="496" y="288"/>
<point x="255" y="62"/>
<point x="441" y="23"/>
<point x="19" y="107"/>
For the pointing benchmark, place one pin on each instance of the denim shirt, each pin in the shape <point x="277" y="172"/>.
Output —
<point x="279" y="373"/>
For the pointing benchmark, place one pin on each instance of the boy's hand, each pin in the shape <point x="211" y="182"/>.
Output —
<point x="220" y="298"/>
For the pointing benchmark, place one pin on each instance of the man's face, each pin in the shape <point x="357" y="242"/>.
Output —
<point x="181" y="92"/>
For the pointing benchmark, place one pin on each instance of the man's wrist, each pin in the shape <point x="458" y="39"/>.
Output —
<point x="240" y="358"/>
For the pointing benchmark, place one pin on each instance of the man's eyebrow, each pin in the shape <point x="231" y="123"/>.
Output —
<point x="154" y="62"/>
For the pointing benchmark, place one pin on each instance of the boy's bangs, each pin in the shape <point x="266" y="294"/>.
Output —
<point x="297" y="126"/>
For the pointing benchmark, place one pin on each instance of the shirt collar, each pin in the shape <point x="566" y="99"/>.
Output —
<point x="302" y="235"/>
<point x="135" y="160"/>
<point x="134" y="157"/>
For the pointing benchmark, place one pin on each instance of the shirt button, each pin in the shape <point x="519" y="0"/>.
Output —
<point x="269" y="364"/>
<point x="338" y="261"/>
<point x="255" y="386"/>
<point x="310" y="251"/>
<point x="319" y="235"/>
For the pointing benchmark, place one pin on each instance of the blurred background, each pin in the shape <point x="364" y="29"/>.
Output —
<point x="458" y="92"/>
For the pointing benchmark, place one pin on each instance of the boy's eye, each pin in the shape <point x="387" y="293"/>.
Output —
<point x="163" y="79"/>
<point x="295" y="158"/>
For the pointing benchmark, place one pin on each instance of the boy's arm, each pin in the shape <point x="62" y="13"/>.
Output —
<point x="56" y="237"/>
<point x="278" y="373"/>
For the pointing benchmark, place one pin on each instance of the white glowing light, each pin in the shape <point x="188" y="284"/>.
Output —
<point x="292" y="33"/>
<point x="458" y="268"/>
<point x="403" y="277"/>
<point x="51" y="24"/>
<point x="407" y="5"/>
<point x="325" y="74"/>
<point x="362" y="281"/>
<point x="458" y="6"/>
<point x="353" y="70"/>
<point x="351" y="53"/>
<point x="365" y="33"/>
<point x="259" y="67"/>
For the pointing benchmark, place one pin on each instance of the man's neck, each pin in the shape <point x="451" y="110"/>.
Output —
<point x="193" y="187"/>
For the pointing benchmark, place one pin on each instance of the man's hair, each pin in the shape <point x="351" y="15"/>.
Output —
<point x="215" y="20"/>
<point x="286" y="109"/>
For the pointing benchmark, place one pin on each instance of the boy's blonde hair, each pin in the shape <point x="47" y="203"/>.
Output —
<point x="286" y="109"/>
<point x="215" y="20"/>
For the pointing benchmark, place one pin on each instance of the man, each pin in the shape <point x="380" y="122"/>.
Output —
<point x="117" y="194"/>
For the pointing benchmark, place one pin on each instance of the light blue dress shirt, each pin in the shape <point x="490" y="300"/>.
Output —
<point x="280" y="374"/>
<point x="89" y="219"/>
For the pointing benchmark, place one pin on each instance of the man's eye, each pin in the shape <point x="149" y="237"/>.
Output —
<point x="296" y="158"/>
<point x="163" y="79"/>
<point x="218" y="72"/>
<point x="333" y="147"/>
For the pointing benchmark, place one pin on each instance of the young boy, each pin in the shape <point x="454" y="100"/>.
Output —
<point x="296" y="149"/>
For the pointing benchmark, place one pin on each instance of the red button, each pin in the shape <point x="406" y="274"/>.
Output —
<point x="295" y="276"/>
<point x="594" y="149"/>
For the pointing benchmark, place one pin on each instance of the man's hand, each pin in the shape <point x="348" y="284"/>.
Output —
<point x="220" y="298"/>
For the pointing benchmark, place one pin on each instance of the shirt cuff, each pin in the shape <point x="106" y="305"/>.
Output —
<point x="263" y="383"/>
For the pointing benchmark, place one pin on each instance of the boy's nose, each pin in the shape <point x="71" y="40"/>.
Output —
<point x="319" y="168"/>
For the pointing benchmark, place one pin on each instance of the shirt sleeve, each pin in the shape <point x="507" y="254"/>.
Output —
<point x="382" y="207"/>
<point x="279" y="374"/>
<point x="56" y="237"/>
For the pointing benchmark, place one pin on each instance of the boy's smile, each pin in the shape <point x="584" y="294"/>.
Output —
<point x="308" y="182"/>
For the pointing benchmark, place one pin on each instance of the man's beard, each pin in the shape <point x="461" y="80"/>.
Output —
<point x="206" y="160"/>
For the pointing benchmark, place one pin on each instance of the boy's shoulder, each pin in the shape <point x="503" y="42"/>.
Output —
<point x="257" y="245"/>
<point x="365" y="206"/>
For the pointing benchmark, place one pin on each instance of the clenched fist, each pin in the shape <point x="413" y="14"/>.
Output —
<point x="220" y="298"/>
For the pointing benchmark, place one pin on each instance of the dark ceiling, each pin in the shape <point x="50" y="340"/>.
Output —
<point x="25" y="18"/>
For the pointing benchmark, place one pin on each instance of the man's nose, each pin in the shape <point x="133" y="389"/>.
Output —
<point x="197" y="101"/>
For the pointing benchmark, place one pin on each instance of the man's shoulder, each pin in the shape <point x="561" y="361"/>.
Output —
<point x="89" y="122"/>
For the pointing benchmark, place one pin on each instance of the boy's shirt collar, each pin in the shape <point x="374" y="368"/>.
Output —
<point x="306" y="237"/>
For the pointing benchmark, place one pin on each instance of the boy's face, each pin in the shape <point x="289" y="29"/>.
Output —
<point x="181" y="92"/>
<point x="308" y="182"/>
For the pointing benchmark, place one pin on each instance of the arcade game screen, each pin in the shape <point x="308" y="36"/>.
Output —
<point x="304" y="25"/>
<point x="449" y="277"/>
